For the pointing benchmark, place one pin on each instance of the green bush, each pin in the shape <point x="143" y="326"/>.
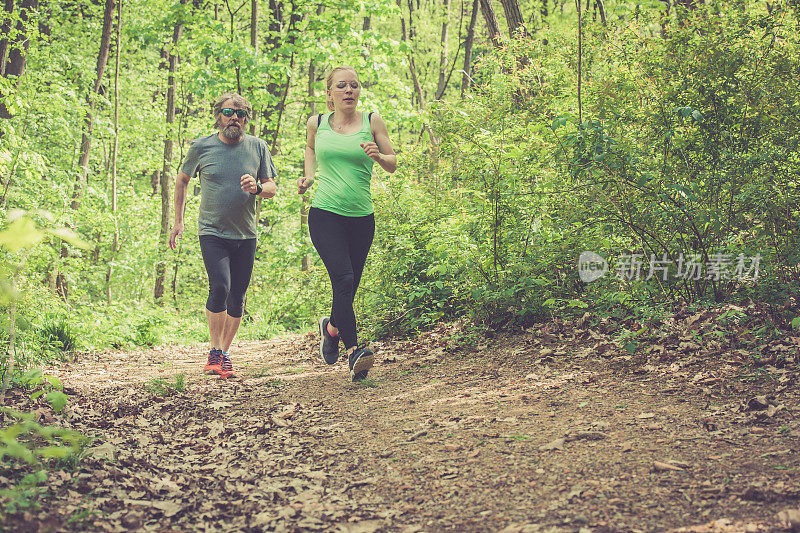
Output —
<point x="57" y="335"/>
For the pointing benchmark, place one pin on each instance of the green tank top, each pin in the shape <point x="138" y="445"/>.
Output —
<point x="344" y="170"/>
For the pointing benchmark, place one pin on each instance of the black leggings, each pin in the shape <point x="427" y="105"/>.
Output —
<point x="229" y="264"/>
<point x="343" y="244"/>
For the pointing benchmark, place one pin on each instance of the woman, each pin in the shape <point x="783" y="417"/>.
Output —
<point x="344" y="144"/>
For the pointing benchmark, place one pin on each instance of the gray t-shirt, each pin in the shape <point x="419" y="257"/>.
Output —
<point x="225" y="209"/>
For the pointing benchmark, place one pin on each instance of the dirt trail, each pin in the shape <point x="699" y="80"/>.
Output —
<point x="512" y="436"/>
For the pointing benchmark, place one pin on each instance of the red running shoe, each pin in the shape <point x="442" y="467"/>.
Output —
<point x="214" y="365"/>
<point x="227" y="367"/>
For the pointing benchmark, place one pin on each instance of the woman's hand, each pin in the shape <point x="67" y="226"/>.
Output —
<point x="372" y="150"/>
<point x="303" y="184"/>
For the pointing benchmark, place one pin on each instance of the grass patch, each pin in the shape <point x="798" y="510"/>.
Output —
<point x="260" y="373"/>
<point x="367" y="383"/>
<point x="163" y="387"/>
<point x="293" y="371"/>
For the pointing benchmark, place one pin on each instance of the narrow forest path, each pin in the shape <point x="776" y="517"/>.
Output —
<point x="540" y="430"/>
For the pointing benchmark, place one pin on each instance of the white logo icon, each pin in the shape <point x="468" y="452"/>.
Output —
<point x="591" y="266"/>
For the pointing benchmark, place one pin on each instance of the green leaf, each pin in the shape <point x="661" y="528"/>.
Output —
<point x="54" y="382"/>
<point x="558" y="122"/>
<point x="58" y="452"/>
<point x="69" y="236"/>
<point x="57" y="399"/>
<point x="21" y="233"/>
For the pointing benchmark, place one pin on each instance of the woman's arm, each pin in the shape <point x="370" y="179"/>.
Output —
<point x="310" y="158"/>
<point x="385" y="155"/>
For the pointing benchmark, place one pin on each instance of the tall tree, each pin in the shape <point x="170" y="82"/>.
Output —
<point x="86" y="136"/>
<point x="513" y="16"/>
<point x="166" y="170"/>
<point x="114" y="153"/>
<point x="91" y="98"/>
<point x="544" y="12"/>
<point x="492" y="26"/>
<point x="407" y="34"/>
<point x="466" y="79"/>
<point x="278" y="87"/>
<point x="600" y="7"/>
<point x="14" y="51"/>
<point x="305" y="202"/>
<point x="442" y="84"/>
<point x="254" y="46"/>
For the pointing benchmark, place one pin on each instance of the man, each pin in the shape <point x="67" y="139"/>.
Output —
<point x="234" y="168"/>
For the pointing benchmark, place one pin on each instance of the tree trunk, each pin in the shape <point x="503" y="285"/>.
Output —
<point x="254" y="25"/>
<point x="166" y="170"/>
<point x="14" y="53"/>
<point x="492" y="25"/>
<point x="513" y="16"/>
<point x="114" y="150"/>
<point x="279" y="90"/>
<point x="600" y="7"/>
<point x="305" y="200"/>
<point x="292" y="33"/>
<point x="274" y="87"/>
<point x="8" y="9"/>
<point x="580" y="59"/>
<point x="406" y="36"/>
<point x="545" y="12"/>
<point x="442" y="84"/>
<point x="407" y="33"/>
<point x="305" y="204"/>
<point x="466" y="79"/>
<point x="91" y="97"/>
<point x="254" y="46"/>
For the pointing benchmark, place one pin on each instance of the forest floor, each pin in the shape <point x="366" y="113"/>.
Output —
<point x="553" y="428"/>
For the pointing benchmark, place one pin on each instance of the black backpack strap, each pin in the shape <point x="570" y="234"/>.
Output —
<point x="369" y="117"/>
<point x="319" y="120"/>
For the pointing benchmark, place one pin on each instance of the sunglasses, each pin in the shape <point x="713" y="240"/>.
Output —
<point x="228" y="112"/>
<point x="343" y="84"/>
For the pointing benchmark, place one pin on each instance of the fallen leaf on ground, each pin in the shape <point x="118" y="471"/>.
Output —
<point x="557" y="444"/>
<point x="664" y="467"/>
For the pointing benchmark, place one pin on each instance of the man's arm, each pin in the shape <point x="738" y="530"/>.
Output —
<point x="265" y="176"/>
<point x="181" y="185"/>
<point x="268" y="186"/>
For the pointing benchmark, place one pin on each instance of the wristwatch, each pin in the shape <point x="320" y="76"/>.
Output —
<point x="259" y="188"/>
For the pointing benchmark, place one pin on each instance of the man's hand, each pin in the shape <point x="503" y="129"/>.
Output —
<point x="303" y="184"/>
<point x="372" y="150"/>
<point x="175" y="234"/>
<point x="249" y="184"/>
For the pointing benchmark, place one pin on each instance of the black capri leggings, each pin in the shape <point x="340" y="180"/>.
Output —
<point x="229" y="264"/>
<point x="343" y="244"/>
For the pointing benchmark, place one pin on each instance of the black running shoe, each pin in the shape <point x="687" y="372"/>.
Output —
<point x="361" y="361"/>
<point x="328" y="344"/>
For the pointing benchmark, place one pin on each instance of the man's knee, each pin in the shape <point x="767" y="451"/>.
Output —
<point x="235" y="306"/>
<point x="217" y="296"/>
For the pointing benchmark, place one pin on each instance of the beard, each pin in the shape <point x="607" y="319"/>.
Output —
<point x="232" y="131"/>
